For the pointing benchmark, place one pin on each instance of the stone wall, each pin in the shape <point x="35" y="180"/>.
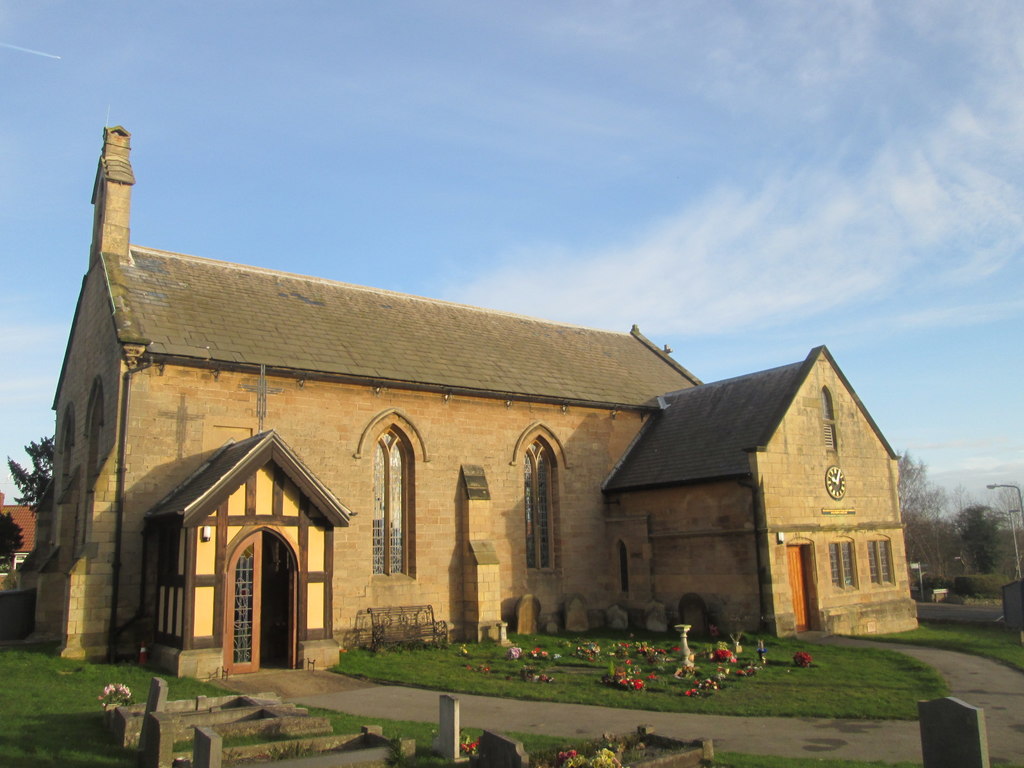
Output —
<point x="187" y="412"/>
<point x="798" y="509"/>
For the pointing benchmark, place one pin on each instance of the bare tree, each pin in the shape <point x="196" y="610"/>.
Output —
<point x="930" y="535"/>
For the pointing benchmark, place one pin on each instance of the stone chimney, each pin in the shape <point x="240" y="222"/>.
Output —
<point x="112" y="196"/>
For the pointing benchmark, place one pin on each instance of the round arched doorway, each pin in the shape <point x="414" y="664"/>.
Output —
<point x="260" y="606"/>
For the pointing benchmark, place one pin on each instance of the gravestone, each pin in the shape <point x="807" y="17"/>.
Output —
<point x="156" y="746"/>
<point x="446" y="743"/>
<point x="527" y="612"/>
<point x="654" y="617"/>
<point x="149" y="747"/>
<point x="576" y="614"/>
<point x="952" y="734"/>
<point x="616" y="617"/>
<point x="551" y="626"/>
<point x="207" y="749"/>
<point x="157" y="698"/>
<point x="694" y="611"/>
<point x="497" y="751"/>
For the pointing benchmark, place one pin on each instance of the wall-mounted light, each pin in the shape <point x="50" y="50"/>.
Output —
<point x="780" y="537"/>
<point x="206" y="533"/>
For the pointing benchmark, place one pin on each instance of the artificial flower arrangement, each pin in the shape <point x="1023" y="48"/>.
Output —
<point x="802" y="659"/>
<point x="115" y="695"/>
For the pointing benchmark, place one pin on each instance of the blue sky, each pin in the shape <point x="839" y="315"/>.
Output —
<point x="743" y="180"/>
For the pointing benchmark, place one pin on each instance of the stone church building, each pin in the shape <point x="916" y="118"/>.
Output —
<point x="248" y="460"/>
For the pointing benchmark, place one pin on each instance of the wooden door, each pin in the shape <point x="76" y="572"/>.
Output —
<point x="798" y="586"/>
<point x="242" y="607"/>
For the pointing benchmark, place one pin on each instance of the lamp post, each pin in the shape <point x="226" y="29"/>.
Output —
<point x="1013" y="525"/>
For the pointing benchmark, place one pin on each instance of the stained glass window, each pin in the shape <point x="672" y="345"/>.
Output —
<point x="537" y="501"/>
<point x="244" y="570"/>
<point x="390" y="505"/>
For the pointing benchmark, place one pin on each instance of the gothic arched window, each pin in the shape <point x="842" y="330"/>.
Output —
<point x="392" y="489"/>
<point x="538" y="492"/>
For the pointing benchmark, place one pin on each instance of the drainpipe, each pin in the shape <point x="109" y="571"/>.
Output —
<point x="764" y="581"/>
<point x="132" y="355"/>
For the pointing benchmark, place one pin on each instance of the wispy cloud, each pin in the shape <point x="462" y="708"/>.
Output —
<point x="935" y="209"/>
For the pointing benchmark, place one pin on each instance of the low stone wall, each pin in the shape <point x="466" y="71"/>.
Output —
<point x="871" y="618"/>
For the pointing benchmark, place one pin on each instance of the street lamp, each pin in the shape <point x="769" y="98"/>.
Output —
<point x="1013" y="526"/>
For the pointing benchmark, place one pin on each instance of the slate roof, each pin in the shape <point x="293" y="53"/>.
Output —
<point x="211" y="310"/>
<point x="705" y="432"/>
<point x="225" y="471"/>
<point x="22" y="515"/>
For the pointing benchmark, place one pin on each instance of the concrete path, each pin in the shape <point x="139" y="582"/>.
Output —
<point x="992" y="686"/>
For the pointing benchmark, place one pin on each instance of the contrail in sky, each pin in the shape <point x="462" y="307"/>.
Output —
<point x="28" y="50"/>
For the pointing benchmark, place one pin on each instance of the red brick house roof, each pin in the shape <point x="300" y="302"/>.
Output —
<point x="23" y="516"/>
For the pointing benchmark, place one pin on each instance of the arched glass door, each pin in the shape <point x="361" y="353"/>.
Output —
<point x="260" y="604"/>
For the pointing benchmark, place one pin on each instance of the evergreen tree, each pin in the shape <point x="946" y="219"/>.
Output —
<point x="33" y="482"/>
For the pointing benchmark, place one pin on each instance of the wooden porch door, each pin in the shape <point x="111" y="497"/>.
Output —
<point x="799" y="557"/>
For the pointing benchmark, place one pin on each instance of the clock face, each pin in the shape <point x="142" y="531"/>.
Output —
<point x="835" y="482"/>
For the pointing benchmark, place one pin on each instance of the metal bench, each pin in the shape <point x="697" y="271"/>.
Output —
<point x="405" y="624"/>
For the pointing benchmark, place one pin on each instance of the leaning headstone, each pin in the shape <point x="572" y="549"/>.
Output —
<point x="527" y="612"/>
<point x="654" y="617"/>
<point x="155" y="702"/>
<point x="576" y="614"/>
<point x="446" y="743"/>
<point x="952" y="734"/>
<point x="207" y="749"/>
<point x="157" y="698"/>
<point x="497" y="751"/>
<point x="616" y="617"/>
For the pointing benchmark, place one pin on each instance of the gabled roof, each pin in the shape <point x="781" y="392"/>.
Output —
<point x="24" y="519"/>
<point x="206" y="310"/>
<point x="225" y="471"/>
<point x="706" y="432"/>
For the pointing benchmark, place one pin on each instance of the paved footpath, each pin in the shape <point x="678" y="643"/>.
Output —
<point x="980" y="682"/>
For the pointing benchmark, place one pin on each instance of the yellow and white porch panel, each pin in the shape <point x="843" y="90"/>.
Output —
<point x="244" y="564"/>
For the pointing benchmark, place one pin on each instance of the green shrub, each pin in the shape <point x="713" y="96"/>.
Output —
<point x="980" y="585"/>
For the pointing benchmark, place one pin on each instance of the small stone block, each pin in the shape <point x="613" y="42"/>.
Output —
<point x="207" y="749"/>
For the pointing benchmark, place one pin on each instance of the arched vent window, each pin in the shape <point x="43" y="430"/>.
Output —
<point x="392" y="467"/>
<point x="828" y="417"/>
<point x="538" y="493"/>
<point x="623" y="567"/>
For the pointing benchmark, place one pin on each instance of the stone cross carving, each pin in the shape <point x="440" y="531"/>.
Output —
<point x="262" y="390"/>
<point x="182" y="419"/>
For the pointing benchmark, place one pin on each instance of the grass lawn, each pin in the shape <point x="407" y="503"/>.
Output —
<point x="50" y="714"/>
<point x="991" y="641"/>
<point x="52" y="718"/>
<point x="842" y="682"/>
